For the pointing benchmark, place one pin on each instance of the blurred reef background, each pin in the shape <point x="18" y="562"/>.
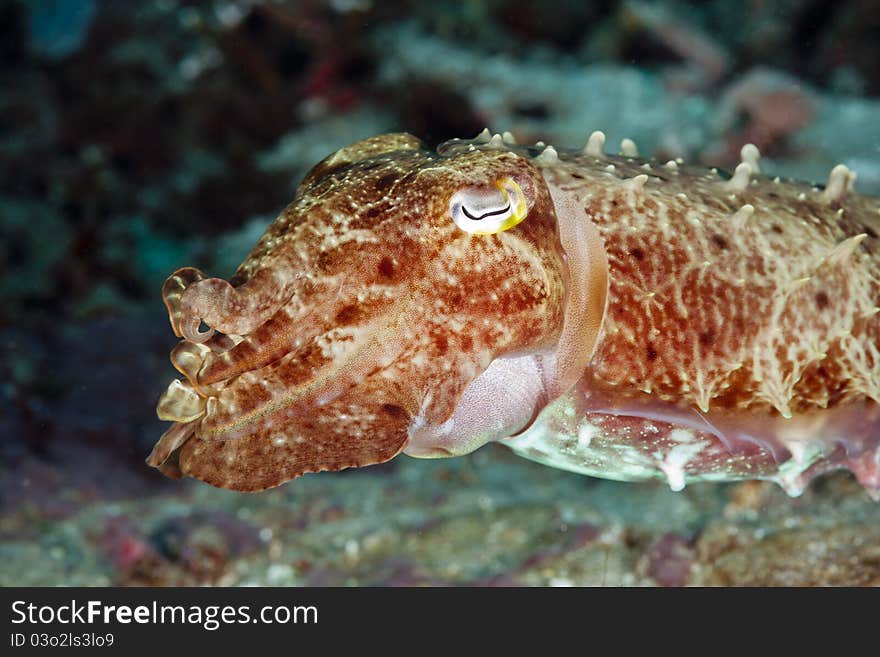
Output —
<point x="140" y="136"/>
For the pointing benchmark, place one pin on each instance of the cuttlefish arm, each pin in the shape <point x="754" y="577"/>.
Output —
<point x="191" y="300"/>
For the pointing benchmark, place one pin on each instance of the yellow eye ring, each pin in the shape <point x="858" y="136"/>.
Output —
<point x="487" y="212"/>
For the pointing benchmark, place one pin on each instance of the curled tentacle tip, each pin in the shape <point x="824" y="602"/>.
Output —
<point x="172" y="291"/>
<point x="190" y="330"/>
<point x="154" y="459"/>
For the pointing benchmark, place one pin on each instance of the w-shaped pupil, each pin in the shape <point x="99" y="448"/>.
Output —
<point x="490" y="213"/>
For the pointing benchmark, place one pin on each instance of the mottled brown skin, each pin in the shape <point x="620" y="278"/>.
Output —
<point x="732" y="316"/>
<point x="364" y="312"/>
<point x="372" y="308"/>
<point x="761" y="325"/>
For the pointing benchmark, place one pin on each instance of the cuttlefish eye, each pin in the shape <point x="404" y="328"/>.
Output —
<point x="486" y="211"/>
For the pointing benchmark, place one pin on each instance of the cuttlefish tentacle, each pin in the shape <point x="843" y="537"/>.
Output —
<point x="189" y="358"/>
<point x="193" y="300"/>
<point x="292" y="329"/>
<point x="173" y="290"/>
<point x="267" y="343"/>
<point x="170" y="441"/>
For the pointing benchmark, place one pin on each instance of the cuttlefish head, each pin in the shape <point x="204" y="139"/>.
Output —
<point x="405" y="301"/>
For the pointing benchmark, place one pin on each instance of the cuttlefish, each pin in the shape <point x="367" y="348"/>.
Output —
<point x="605" y="314"/>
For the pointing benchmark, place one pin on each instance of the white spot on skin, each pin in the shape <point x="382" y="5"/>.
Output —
<point x="740" y="180"/>
<point x="741" y="218"/>
<point x="790" y="478"/>
<point x="751" y="156"/>
<point x="586" y="432"/>
<point x="548" y="157"/>
<point x="637" y="183"/>
<point x="628" y="148"/>
<point x="673" y="463"/>
<point x="845" y="249"/>
<point x="681" y="436"/>
<point x="798" y="450"/>
<point x="595" y="144"/>
<point x="840" y="181"/>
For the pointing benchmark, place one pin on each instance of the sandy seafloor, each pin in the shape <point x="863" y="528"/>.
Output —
<point x="144" y="136"/>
